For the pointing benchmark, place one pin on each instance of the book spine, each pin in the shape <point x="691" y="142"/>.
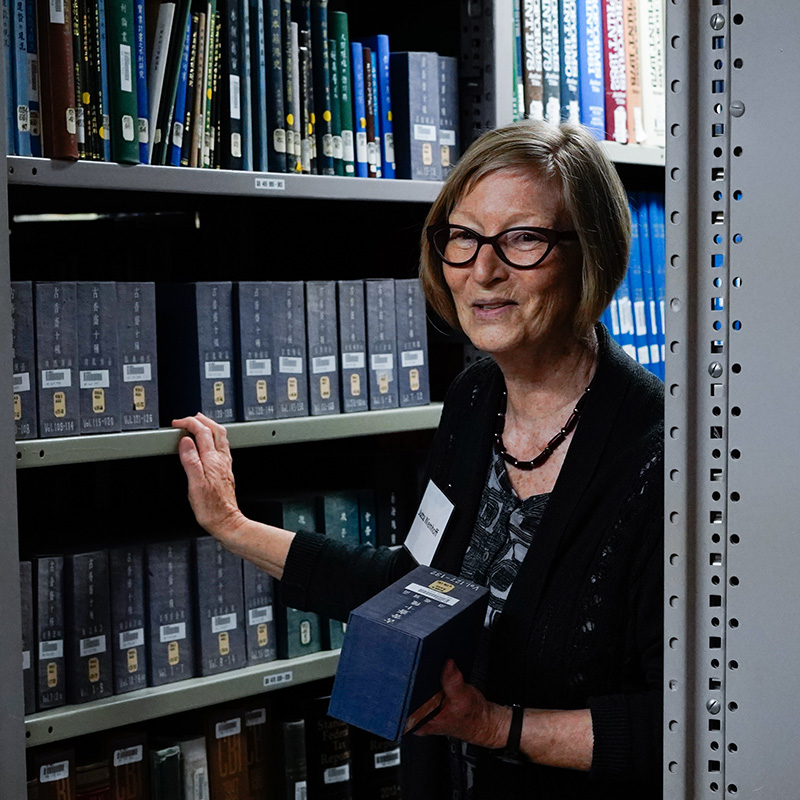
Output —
<point x="121" y="34"/>
<point x="590" y="62"/>
<point x="51" y="677"/>
<point x="181" y="135"/>
<point x="293" y="759"/>
<point x="33" y="78"/>
<point x="255" y="388"/>
<point x="366" y="517"/>
<point x="532" y="59"/>
<point x="258" y="73"/>
<point x="259" y="752"/>
<point x="204" y="136"/>
<point x="381" y="344"/>
<point x="231" y="133"/>
<point x="157" y="70"/>
<point x="142" y="127"/>
<point x="551" y="61"/>
<point x="28" y="636"/>
<point x="449" y="144"/>
<point x="308" y="145"/>
<point x="320" y="65"/>
<point x="8" y="52"/>
<point x="633" y="74"/>
<point x="359" y="110"/>
<point x="289" y="348"/>
<point x="291" y="115"/>
<point x="615" y="80"/>
<point x="216" y="349"/>
<point x="377" y="135"/>
<point x="303" y="10"/>
<point x="339" y="30"/>
<point x="517" y="94"/>
<point x="655" y="203"/>
<point x="227" y="755"/>
<point x="165" y="772"/>
<point x="412" y="344"/>
<point x="194" y="765"/>
<point x="98" y="102"/>
<point x="323" y="347"/>
<point x="651" y="58"/>
<point x="369" y="113"/>
<point x="127" y="758"/>
<point x="246" y="85"/>
<point x="54" y="774"/>
<point x="385" y="107"/>
<point x="636" y="283"/>
<point x="328" y="752"/>
<point x="651" y="314"/>
<point x="23" y="356"/>
<point x="376" y="766"/>
<point x="211" y="151"/>
<point x="259" y="608"/>
<point x="336" y="106"/>
<point x="353" y="344"/>
<point x="568" y="29"/>
<point x="277" y="140"/>
<point x="80" y="99"/>
<point x="19" y="32"/>
<point x="102" y="106"/>
<point x="127" y="637"/>
<point x="297" y="100"/>
<point x="197" y="96"/>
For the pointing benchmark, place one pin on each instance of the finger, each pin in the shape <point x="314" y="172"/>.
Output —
<point x="190" y="459"/>
<point x="219" y="432"/>
<point x="202" y="433"/>
<point x="452" y="679"/>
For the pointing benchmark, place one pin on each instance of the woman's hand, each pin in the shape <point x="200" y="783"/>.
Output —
<point x="207" y="460"/>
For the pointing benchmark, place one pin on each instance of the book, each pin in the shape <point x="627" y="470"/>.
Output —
<point x="323" y="348"/>
<point x="359" y="110"/>
<point x="390" y="513"/>
<point x="289" y="348"/>
<point x="651" y="313"/>
<point x="376" y="766"/>
<point x="277" y="141"/>
<point x="258" y="85"/>
<point x="650" y="17"/>
<point x="328" y="752"/>
<point x="180" y="136"/>
<point x="170" y="618"/>
<point x="353" y="346"/>
<point x="336" y="104"/>
<point x="449" y="139"/>
<point x="517" y="95"/>
<point x="412" y="343"/>
<point x="157" y="69"/>
<point x="197" y="95"/>
<point x="568" y="46"/>
<point x="376" y="116"/>
<point x="219" y="608"/>
<point x="138" y="358"/>
<point x="87" y="626"/>
<point x="308" y="145"/>
<point x="142" y="97"/>
<point x="83" y="93"/>
<point x="129" y="766"/>
<point x="414" y="84"/>
<point x="655" y="205"/>
<point x="33" y="79"/>
<point x="293" y="74"/>
<point x="381" y="343"/>
<point x="614" y="74"/>
<point x="636" y="284"/>
<point x="367" y="523"/>
<point x="23" y="357"/>
<point x="290" y="88"/>
<point x="166" y="779"/>
<point x="551" y="61"/>
<point x="98" y="356"/>
<point x="128" y="640"/>
<point x="255" y="387"/>
<point x="18" y="66"/>
<point x="624" y="312"/>
<point x="590" y="65"/>
<point x="194" y="767"/>
<point x="122" y="59"/>
<point x="93" y="781"/>
<point x="259" y="609"/>
<point x="246" y="85"/>
<point x="294" y="784"/>
<point x="213" y="102"/>
<point x="226" y="748"/>
<point x="257" y="732"/>
<point x="370" y="106"/>
<point x="28" y="636"/>
<point x="633" y="74"/>
<point x="54" y="773"/>
<point x="196" y="350"/>
<point x="379" y="45"/>
<point x="340" y="32"/>
<point x="51" y="680"/>
<point x="202" y="134"/>
<point x="103" y="107"/>
<point x="320" y="65"/>
<point x="8" y="74"/>
<point x="57" y="358"/>
<point x="231" y="149"/>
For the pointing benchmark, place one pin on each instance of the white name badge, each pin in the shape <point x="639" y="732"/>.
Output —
<point x="429" y="523"/>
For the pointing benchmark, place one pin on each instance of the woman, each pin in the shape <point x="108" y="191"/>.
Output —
<point x="523" y="250"/>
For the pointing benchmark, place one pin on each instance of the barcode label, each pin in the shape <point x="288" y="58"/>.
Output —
<point x="353" y="360"/>
<point x="382" y="361"/>
<point x="172" y="633"/>
<point x="231" y="727"/>
<point x="51" y="649"/>
<point x="92" y="646"/>
<point x="125" y="70"/>
<point x="54" y="772"/>
<point x="291" y="366"/>
<point x="300" y="790"/>
<point x="22" y="382"/>
<point x="412" y="358"/>
<point x="137" y="372"/>
<point x="128" y="755"/>
<point x="56" y="378"/>
<point x="134" y="638"/>
<point x="177" y="134"/>
<point x="218" y="369"/>
<point x="272" y="184"/>
<point x="257" y="616"/>
<point x="347" y="146"/>
<point x="425" y="133"/>
<point x="26" y="659"/>
<point x="258" y="366"/>
<point x="336" y="774"/>
<point x="388" y="144"/>
<point x="425" y="591"/>
<point x="224" y="622"/>
<point x="143" y="130"/>
<point x="447" y="137"/>
<point x="94" y="379"/>
<point x="361" y="146"/>
<point x="236" y="111"/>
<point x="322" y="364"/>
<point x="279" y="679"/>
<point x="256" y="717"/>
<point x="57" y="12"/>
<point x="391" y="758"/>
<point x="128" y="128"/>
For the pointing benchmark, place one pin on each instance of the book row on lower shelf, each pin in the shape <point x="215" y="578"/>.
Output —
<point x="106" y="621"/>
<point x="266" y="85"/>
<point x="98" y="357"/>
<point x="258" y="749"/>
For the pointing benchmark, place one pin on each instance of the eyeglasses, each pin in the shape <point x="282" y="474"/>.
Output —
<point x="521" y="248"/>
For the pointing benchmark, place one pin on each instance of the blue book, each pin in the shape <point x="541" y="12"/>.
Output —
<point x="623" y="330"/>
<point x="655" y="204"/>
<point x="591" y="78"/>
<point x="33" y="86"/>
<point x="105" y="98"/>
<point x="19" y="69"/>
<point x="380" y="45"/>
<point x="176" y="135"/>
<point x="141" y="74"/>
<point x="637" y="291"/>
<point x="359" y="109"/>
<point x="568" y="35"/>
<point x="373" y="72"/>
<point x="656" y="364"/>
<point x="258" y="63"/>
<point x="246" y="86"/>
<point x="11" y="111"/>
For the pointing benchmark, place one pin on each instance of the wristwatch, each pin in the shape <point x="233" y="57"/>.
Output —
<point x="511" y="751"/>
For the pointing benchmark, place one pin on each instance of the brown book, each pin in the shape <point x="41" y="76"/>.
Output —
<point x="93" y="781"/>
<point x="128" y="760"/>
<point x="54" y="774"/>
<point x="260" y="769"/>
<point x="226" y="746"/>
<point x="57" y="81"/>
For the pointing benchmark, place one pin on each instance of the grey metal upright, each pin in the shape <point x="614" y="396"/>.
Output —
<point x="732" y="537"/>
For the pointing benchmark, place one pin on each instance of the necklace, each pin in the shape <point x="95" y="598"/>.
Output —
<point x="549" y="447"/>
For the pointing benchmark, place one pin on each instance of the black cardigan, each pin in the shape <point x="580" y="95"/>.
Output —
<point x="582" y="625"/>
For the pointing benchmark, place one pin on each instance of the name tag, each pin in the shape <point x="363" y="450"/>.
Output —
<point x="429" y="523"/>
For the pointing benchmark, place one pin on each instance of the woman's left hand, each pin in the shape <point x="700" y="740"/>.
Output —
<point x="464" y="714"/>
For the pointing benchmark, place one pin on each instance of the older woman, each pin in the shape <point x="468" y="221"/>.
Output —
<point x="551" y="452"/>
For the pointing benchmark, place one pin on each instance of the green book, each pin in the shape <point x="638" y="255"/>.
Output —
<point x="320" y="69"/>
<point x="340" y="34"/>
<point x="166" y="780"/>
<point x="124" y="102"/>
<point x="336" y="117"/>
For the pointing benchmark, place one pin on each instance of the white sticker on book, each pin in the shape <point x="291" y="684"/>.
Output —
<point x="177" y="134"/>
<point x="300" y="791"/>
<point x="231" y="727"/>
<point x="52" y="649"/>
<point x="58" y="771"/>
<point x="92" y="646"/>
<point x="257" y="616"/>
<point x="425" y="133"/>
<point x="128" y="128"/>
<point x="348" y="153"/>
<point x="336" y="774"/>
<point x="129" y="639"/>
<point x="26" y="659"/>
<point x="172" y="633"/>
<point x="125" y="68"/>
<point x="57" y="12"/>
<point x="33" y="80"/>
<point x="236" y="110"/>
<point x="56" y="378"/>
<point x="256" y="717"/>
<point x="279" y="140"/>
<point x="128" y="755"/>
<point x="218" y="369"/>
<point x="388" y="144"/>
<point x="223" y="622"/>
<point x="391" y="758"/>
<point x="199" y="785"/>
<point x="290" y="365"/>
<point x="95" y="379"/>
<point x="361" y="146"/>
<point x="22" y="381"/>
<point x="322" y="364"/>
<point x="447" y="137"/>
<point x="258" y="366"/>
<point x="381" y="361"/>
<point x="640" y="317"/>
<point x="426" y="591"/>
<point x="354" y="360"/>
<point x="133" y="373"/>
<point x="144" y="128"/>
<point x="412" y="358"/>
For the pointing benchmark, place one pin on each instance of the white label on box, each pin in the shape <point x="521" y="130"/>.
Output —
<point x="271" y="184"/>
<point x="218" y="369"/>
<point x="51" y="649"/>
<point x="412" y="358"/>
<point x="26" y="659"/>
<point x="94" y="379"/>
<point x="125" y="70"/>
<point x="258" y="366"/>
<point x="257" y="616"/>
<point x="256" y="717"/>
<point x="336" y="774"/>
<point x="426" y="591"/>
<point x="134" y="638"/>
<point x="57" y="12"/>
<point x="236" y="110"/>
<point x="300" y="790"/>
<point x="223" y="622"/>
<point x="279" y="679"/>
<point x="353" y="360"/>
<point x="382" y="361"/>
<point x="92" y="645"/>
<point x="292" y="366"/>
<point x="429" y="523"/>
<point x="447" y="137"/>
<point x="131" y="373"/>
<point x="54" y="772"/>
<point x="172" y="633"/>
<point x="322" y="364"/>
<point x="231" y="727"/>
<point x="56" y="378"/>
<point x="391" y="758"/>
<point x="22" y="381"/>
<point x="128" y="755"/>
<point x="425" y="133"/>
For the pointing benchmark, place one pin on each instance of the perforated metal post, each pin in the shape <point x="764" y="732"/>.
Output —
<point x="732" y="534"/>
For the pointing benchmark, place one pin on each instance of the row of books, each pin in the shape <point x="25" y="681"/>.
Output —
<point x="102" y="622"/>
<point x="266" y="85"/>
<point x="635" y="316"/>
<point x="595" y="62"/>
<point x="97" y="357"/>
<point x="253" y="750"/>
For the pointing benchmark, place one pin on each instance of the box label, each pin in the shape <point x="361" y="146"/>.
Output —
<point x="94" y="379"/>
<point x="256" y="616"/>
<point x="354" y="360"/>
<point x="54" y="772"/>
<point x="172" y="633"/>
<point x="134" y="638"/>
<point x="128" y="755"/>
<point x="51" y="649"/>
<point x="56" y="378"/>
<point x="231" y="727"/>
<point x="289" y="365"/>
<point x="258" y="366"/>
<point x="336" y="774"/>
<point x="382" y="361"/>
<point x="412" y="358"/>
<point x="322" y="364"/>
<point x="217" y="369"/>
<point x="22" y="382"/>
<point x="137" y="372"/>
<point x="426" y="591"/>
<point x="223" y="622"/>
<point x="391" y="758"/>
<point x="92" y="646"/>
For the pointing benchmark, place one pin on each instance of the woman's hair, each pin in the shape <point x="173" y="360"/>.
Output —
<point x="593" y="202"/>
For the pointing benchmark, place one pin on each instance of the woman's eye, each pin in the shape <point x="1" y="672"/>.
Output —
<point x="525" y="239"/>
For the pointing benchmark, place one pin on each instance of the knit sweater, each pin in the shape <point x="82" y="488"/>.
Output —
<point x="582" y="625"/>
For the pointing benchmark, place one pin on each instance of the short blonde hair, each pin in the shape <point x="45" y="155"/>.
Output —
<point x="593" y="200"/>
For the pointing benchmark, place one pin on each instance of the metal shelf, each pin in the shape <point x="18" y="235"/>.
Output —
<point x="160" y="701"/>
<point x="637" y="154"/>
<point x="164" y="441"/>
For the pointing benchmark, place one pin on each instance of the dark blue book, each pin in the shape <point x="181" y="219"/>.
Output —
<point x="651" y="313"/>
<point x="412" y="343"/>
<point x="28" y="638"/>
<point x="230" y="134"/>
<point x="379" y="45"/>
<point x="177" y="141"/>
<point x="320" y="65"/>
<point x="246" y="88"/>
<point x="359" y="110"/>
<point x="381" y="343"/>
<point x="336" y="109"/>
<point x="259" y="608"/>
<point x="19" y="68"/>
<point x="128" y="616"/>
<point x="449" y="139"/>
<point x="591" y="80"/>
<point x="33" y="89"/>
<point x="23" y="357"/>
<point x="291" y="102"/>
<point x="353" y="345"/>
<point x="277" y="139"/>
<point x="323" y="348"/>
<point x="48" y="588"/>
<point x="256" y="366"/>
<point x="258" y="85"/>
<point x="636" y="284"/>
<point x="141" y="77"/>
<point x="655" y="204"/>
<point x="105" y="89"/>
<point x="568" y="41"/>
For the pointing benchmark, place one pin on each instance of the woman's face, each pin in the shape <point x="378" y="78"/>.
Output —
<point x="505" y="310"/>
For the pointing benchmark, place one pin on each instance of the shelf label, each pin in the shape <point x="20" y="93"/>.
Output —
<point x="279" y="679"/>
<point x="271" y="184"/>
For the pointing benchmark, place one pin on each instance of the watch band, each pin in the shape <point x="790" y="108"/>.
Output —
<point x="511" y="751"/>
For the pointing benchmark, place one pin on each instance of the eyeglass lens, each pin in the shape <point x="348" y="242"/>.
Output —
<point x="522" y="248"/>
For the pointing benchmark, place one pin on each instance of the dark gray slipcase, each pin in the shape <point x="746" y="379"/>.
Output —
<point x="219" y="608"/>
<point x="381" y="344"/>
<point x="412" y="344"/>
<point x="26" y="598"/>
<point x="128" y="639"/>
<point x="449" y="139"/>
<point x="57" y="358"/>
<point x="51" y="679"/>
<point x="259" y="608"/>
<point x="353" y="347"/>
<point x="323" y="348"/>
<point x="367" y="521"/>
<point x="23" y="355"/>
<point x="255" y="359"/>
<point x="289" y="347"/>
<point x="138" y="358"/>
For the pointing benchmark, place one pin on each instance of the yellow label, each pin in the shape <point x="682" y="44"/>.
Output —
<point x="413" y="379"/>
<point x="94" y="669"/>
<point x="310" y="128"/>
<point x="86" y="98"/>
<point x="219" y="393"/>
<point x="291" y="388"/>
<point x="209" y="94"/>
<point x="262" y="632"/>
<point x="445" y="155"/>
<point x="389" y="115"/>
<point x="305" y="632"/>
<point x="442" y="586"/>
<point x="98" y="401"/>
<point x="427" y="154"/>
<point x="313" y="119"/>
<point x="383" y="383"/>
<point x="355" y="384"/>
<point x="139" y="402"/>
<point x="173" y="653"/>
<point x="52" y="675"/>
<point x="326" y="115"/>
<point x="324" y="387"/>
<point x="133" y="660"/>
<point x="59" y="404"/>
<point x="17" y="408"/>
<point x="224" y="643"/>
<point x="290" y="120"/>
<point x="261" y="391"/>
<point x="363" y="122"/>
